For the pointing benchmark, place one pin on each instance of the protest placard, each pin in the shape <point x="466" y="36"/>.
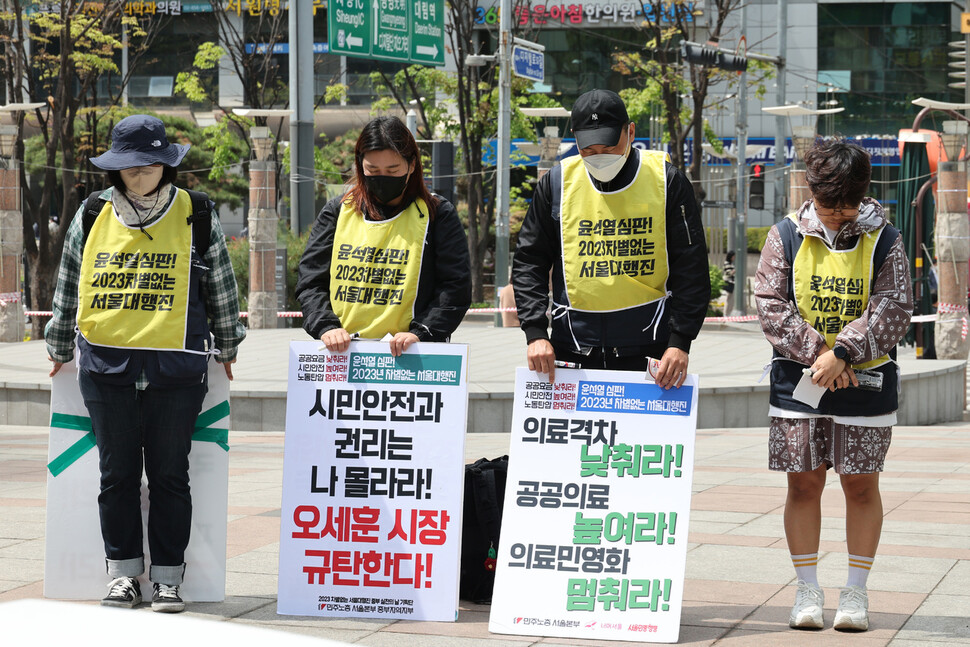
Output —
<point x="597" y="506"/>
<point x="373" y="464"/>
<point x="74" y="551"/>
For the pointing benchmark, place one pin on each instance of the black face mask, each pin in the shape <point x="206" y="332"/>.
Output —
<point x="385" y="187"/>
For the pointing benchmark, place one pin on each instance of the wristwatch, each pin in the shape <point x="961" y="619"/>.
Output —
<point x="841" y="352"/>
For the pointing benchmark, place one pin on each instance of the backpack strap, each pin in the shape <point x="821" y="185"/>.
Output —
<point x="887" y="238"/>
<point x="201" y="220"/>
<point x="791" y="240"/>
<point x="93" y="205"/>
<point x="555" y="185"/>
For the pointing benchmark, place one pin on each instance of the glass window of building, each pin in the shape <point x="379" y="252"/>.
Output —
<point x="173" y="42"/>
<point x="890" y="54"/>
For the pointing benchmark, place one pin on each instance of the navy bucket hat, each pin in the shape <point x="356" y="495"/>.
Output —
<point x="139" y="140"/>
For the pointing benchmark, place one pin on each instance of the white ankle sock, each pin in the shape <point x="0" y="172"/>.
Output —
<point x="806" y="567"/>
<point x="859" y="567"/>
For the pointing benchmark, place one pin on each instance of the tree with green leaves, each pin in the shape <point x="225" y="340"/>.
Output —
<point x="663" y="78"/>
<point x="57" y="56"/>
<point x="463" y="107"/>
<point x="250" y="55"/>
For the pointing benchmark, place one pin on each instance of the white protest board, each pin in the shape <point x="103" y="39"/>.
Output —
<point x="373" y="469"/>
<point x="597" y="506"/>
<point x="74" y="566"/>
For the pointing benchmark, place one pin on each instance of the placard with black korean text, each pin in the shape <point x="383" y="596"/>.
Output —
<point x="373" y="467"/>
<point x="597" y="505"/>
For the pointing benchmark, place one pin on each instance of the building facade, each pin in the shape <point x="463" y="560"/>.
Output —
<point x="870" y="57"/>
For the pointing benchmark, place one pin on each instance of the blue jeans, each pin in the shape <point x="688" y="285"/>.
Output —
<point x="157" y="424"/>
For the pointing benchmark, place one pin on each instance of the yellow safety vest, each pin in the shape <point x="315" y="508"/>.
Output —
<point x="134" y="291"/>
<point x="832" y="286"/>
<point x="375" y="268"/>
<point x="614" y="244"/>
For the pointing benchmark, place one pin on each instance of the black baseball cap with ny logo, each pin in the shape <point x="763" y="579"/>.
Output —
<point x="598" y="117"/>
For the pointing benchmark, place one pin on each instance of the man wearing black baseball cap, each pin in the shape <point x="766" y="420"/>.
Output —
<point x="147" y="293"/>
<point x="618" y="228"/>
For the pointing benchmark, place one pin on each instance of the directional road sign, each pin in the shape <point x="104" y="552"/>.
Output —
<point x="528" y="63"/>
<point x="406" y="31"/>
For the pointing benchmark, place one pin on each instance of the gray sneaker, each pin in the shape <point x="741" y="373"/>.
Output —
<point x="809" y="602"/>
<point x="123" y="592"/>
<point x="165" y="599"/>
<point x="853" y="613"/>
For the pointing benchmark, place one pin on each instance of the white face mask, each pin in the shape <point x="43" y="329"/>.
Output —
<point x="605" y="167"/>
<point x="142" y="180"/>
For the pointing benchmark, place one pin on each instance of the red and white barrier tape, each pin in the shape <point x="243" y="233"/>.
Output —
<point x="951" y="307"/>
<point x="737" y="319"/>
<point x="954" y="308"/>
<point x="9" y="297"/>
<point x="475" y="311"/>
<point x="279" y="315"/>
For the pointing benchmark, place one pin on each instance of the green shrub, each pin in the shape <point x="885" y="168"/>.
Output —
<point x="239" y="255"/>
<point x="717" y="281"/>
<point x="756" y="238"/>
<point x="709" y="236"/>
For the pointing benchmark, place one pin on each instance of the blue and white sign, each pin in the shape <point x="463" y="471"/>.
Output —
<point x="632" y="397"/>
<point x="528" y="63"/>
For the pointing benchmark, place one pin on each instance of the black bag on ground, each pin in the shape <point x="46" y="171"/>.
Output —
<point x="481" y="524"/>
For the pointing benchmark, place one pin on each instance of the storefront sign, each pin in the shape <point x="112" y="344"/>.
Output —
<point x="590" y="13"/>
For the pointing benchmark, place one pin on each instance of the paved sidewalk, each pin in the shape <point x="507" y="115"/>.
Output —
<point x="738" y="571"/>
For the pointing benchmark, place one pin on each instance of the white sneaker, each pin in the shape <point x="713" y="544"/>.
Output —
<point x="853" y="613"/>
<point x="807" y="612"/>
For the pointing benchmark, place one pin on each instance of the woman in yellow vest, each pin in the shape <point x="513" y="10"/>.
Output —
<point x="388" y="259"/>
<point x="147" y="294"/>
<point x="834" y="298"/>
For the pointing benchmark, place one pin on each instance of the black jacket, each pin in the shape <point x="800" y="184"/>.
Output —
<point x="444" y="285"/>
<point x="539" y="250"/>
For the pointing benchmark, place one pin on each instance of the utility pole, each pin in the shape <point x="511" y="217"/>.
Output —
<point x="740" y="224"/>
<point x="301" y="120"/>
<point x="503" y="151"/>
<point x="716" y="57"/>
<point x="780" y="125"/>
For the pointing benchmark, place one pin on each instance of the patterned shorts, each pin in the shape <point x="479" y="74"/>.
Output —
<point x="802" y="444"/>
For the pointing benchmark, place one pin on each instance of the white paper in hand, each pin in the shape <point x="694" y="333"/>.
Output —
<point x="807" y="392"/>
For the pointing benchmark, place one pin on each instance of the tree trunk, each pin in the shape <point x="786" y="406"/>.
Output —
<point x="474" y="204"/>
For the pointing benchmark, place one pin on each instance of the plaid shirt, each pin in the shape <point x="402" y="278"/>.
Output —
<point x="219" y="284"/>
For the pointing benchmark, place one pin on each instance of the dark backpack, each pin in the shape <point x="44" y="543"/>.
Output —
<point x="480" y="527"/>
<point x="201" y="218"/>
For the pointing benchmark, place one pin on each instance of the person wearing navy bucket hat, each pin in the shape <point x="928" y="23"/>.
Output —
<point x="147" y="294"/>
